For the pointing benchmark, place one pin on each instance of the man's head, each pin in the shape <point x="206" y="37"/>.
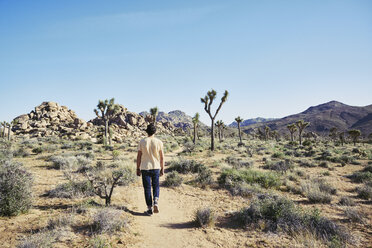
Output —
<point x="151" y="129"/>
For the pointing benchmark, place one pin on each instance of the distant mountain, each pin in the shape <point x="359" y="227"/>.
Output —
<point x="177" y="118"/>
<point x="325" y="116"/>
<point x="248" y="122"/>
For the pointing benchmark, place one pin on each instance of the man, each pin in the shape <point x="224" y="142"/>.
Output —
<point x="150" y="164"/>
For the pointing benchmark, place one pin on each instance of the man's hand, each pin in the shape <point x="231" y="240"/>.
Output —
<point x="138" y="172"/>
<point x="161" y="171"/>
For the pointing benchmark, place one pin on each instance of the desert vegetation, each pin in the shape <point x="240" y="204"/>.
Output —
<point x="301" y="187"/>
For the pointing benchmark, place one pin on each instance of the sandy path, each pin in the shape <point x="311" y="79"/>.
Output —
<point x="172" y="227"/>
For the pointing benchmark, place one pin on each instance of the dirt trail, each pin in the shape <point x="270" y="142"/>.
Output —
<point x="172" y="227"/>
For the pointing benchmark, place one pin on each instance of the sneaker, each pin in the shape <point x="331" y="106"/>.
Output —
<point x="149" y="212"/>
<point x="156" y="209"/>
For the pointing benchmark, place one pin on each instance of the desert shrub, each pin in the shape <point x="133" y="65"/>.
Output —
<point x="281" y="166"/>
<point x="43" y="239"/>
<point x="361" y="177"/>
<point x="245" y="190"/>
<point x="204" y="177"/>
<point x="354" y="215"/>
<point x="368" y="168"/>
<point x="68" y="145"/>
<point x="98" y="242"/>
<point x="105" y="180"/>
<point x="37" y="150"/>
<point x="89" y="154"/>
<point x="365" y="192"/>
<point x="324" y="164"/>
<point x="318" y="191"/>
<point x="60" y="222"/>
<point x="229" y="177"/>
<point x="277" y="155"/>
<point x="346" y="201"/>
<point x="306" y="163"/>
<point x="173" y="179"/>
<point x="21" y="152"/>
<point x="83" y="163"/>
<point x="275" y="213"/>
<point x="238" y="162"/>
<point x="64" y="162"/>
<point x="15" y="188"/>
<point x="5" y="155"/>
<point x="115" y="154"/>
<point x="185" y="166"/>
<point x="205" y="217"/>
<point x="108" y="220"/>
<point x="71" y="189"/>
<point x="306" y="143"/>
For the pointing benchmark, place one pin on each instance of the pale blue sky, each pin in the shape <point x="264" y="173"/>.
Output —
<point x="275" y="57"/>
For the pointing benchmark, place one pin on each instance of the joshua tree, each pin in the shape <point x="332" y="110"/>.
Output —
<point x="275" y="135"/>
<point x="195" y="121"/>
<point x="3" y="124"/>
<point x="267" y="132"/>
<point x="354" y="135"/>
<point x="341" y="136"/>
<point x="154" y="113"/>
<point x="301" y="126"/>
<point x="239" y="120"/>
<point x="12" y="123"/>
<point x="292" y="129"/>
<point x="219" y="125"/>
<point x="333" y="133"/>
<point x="108" y="110"/>
<point x="208" y="100"/>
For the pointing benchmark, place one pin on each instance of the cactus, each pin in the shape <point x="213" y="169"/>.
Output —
<point x="108" y="109"/>
<point x="239" y="120"/>
<point x="154" y="113"/>
<point x="354" y="135"/>
<point x="208" y="100"/>
<point x="219" y="124"/>
<point x="195" y="121"/>
<point x="301" y="125"/>
<point x="292" y="129"/>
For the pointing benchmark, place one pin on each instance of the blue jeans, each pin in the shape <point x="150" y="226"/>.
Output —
<point x="151" y="178"/>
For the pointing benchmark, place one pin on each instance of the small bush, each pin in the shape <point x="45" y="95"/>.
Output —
<point x="355" y="215"/>
<point x="15" y="188"/>
<point x="99" y="242"/>
<point x="280" y="166"/>
<point x="21" y="152"/>
<point x="245" y="190"/>
<point x="72" y="189"/>
<point x="306" y="163"/>
<point x="365" y="192"/>
<point x="115" y="154"/>
<point x="361" y="177"/>
<point x="205" y="217"/>
<point x="173" y="179"/>
<point x="108" y="221"/>
<point x="185" y="166"/>
<point x="43" y="239"/>
<point x="274" y="213"/>
<point x="238" y="163"/>
<point x="37" y="150"/>
<point x="346" y="201"/>
<point x="267" y="180"/>
<point x="318" y="191"/>
<point x="277" y="155"/>
<point x="204" y="177"/>
<point x="64" y="162"/>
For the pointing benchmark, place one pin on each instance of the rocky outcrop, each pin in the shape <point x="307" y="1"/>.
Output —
<point x="51" y="119"/>
<point x="127" y="123"/>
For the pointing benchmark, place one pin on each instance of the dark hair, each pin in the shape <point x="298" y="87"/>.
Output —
<point x="151" y="129"/>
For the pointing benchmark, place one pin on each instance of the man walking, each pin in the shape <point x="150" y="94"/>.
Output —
<point x="150" y="164"/>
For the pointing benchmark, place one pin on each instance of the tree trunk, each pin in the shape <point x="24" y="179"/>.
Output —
<point x="292" y="136"/>
<point x="219" y="133"/>
<point x="9" y="133"/>
<point x="240" y="135"/>
<point x="194" y="140"/>
<point x="212" y="136"/>
<point x="300" y="136"/>
<point x="106" y="131"/>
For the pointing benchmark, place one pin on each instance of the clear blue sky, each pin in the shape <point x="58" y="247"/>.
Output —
<point x="276" y="57"/>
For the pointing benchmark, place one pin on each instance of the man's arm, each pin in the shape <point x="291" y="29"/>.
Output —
<point x="139" y="155"/>
<point x="161" y="162"/>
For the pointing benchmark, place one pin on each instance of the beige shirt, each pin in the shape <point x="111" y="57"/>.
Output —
<point x="150" y="148"/>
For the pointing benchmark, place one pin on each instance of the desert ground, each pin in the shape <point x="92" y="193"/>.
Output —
<point x="238" y="190"/>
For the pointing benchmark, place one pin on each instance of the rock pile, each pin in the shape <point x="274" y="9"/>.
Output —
<point x="127" y="123"/>
<point x="51" y="119"/>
